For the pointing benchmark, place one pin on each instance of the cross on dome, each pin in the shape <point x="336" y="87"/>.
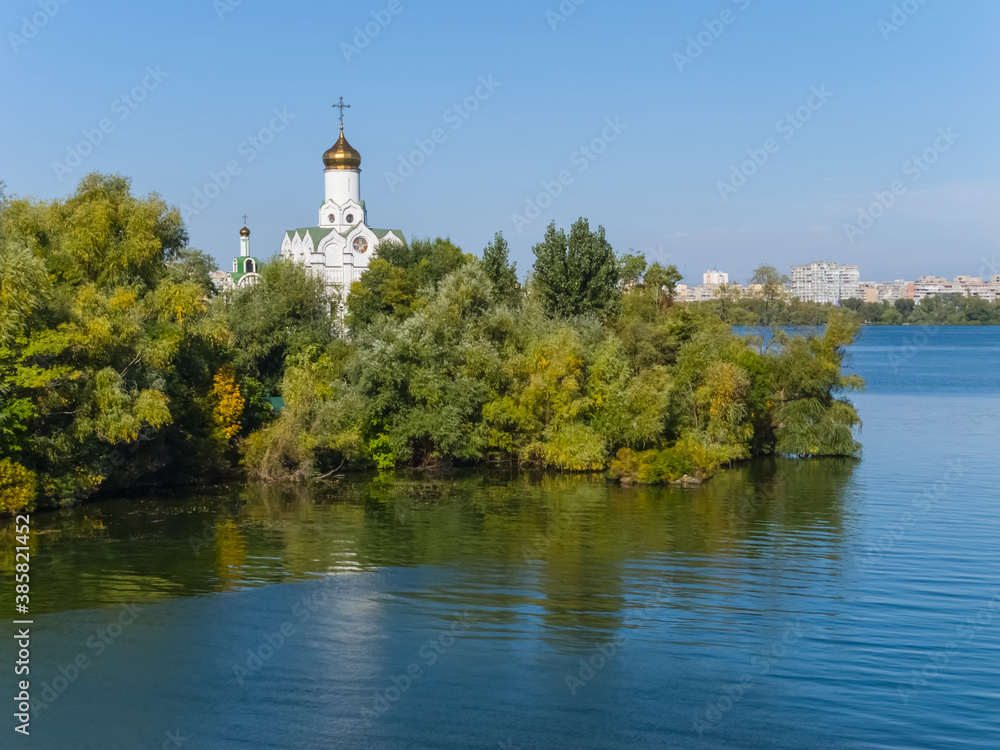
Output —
<point x="342" y="107"/>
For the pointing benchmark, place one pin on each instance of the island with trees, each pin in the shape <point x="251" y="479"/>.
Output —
<point x="122" y="367"/>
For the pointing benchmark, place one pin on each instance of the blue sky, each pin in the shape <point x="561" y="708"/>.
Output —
<point x="656" y="181"/>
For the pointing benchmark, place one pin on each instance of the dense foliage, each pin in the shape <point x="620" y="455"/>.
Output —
<point x="736" y="307"/>
<point x="944" y="309"/>
<point x="121" y="365"/>
<point x="445" y="368"/>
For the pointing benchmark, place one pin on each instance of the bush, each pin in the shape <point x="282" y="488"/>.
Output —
<point x="18" y="488"/>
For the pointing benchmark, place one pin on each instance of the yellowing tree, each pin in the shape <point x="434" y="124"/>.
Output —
<point x="229" y="403"/>
<point x="17" y="487"/>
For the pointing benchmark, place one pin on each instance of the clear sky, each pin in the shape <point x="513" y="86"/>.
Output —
<point x="865" y="94"/>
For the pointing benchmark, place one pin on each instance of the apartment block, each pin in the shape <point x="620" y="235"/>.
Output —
<point x="826" y="282"/>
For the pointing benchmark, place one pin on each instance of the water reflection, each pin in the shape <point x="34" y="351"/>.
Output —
<point x="575" y="549"/>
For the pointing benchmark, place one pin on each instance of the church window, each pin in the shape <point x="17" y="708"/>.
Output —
<point x="235" y="269"/>
<point x="332" y="218"/>
<point x="250" y="266"/>
<point x="349" y="218"/>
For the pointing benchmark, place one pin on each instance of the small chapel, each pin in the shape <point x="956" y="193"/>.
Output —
<point x="341" y="245"/>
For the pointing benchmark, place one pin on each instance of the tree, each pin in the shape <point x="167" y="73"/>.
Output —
<point x="577" y="274"/>
<point x="500" y="271"/>
<point x="400" y="280"/>
<point x="662" y="283"/>
<point x="770" y="291"/>
<point x="871" y="313"/>
<point x="727" y="298"/>
<point x="288" y="310"/>
<point x="106" y="353"/>
<point x="631" y="269"/>
<point x="905" y="307"/>
<point x="811" y="419"/>
<point x="891" y="316"/>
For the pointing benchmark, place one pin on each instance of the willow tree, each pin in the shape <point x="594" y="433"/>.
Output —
<point x="106" y="353"/>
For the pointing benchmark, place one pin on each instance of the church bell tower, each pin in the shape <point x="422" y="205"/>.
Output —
<point x="342" y="207"/>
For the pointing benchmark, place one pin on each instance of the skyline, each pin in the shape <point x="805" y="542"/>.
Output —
<point x="728" y="134"/>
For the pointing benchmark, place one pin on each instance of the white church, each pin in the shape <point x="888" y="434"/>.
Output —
<point x="342" y="244"/>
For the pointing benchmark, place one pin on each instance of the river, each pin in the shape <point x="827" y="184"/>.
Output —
<point x="824" y="604"/>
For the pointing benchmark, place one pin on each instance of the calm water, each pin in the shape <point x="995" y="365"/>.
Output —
<point x="825" y="604"/>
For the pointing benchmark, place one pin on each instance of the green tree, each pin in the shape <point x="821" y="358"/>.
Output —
<point x="578" y="273"/>
<point x="905" y="307"/>
<point x="287" y="311"/>
<point x="631" y="269"/>
<point x="770" y="291"/>
<point x="106" y="353"/>
<point x="662" y="283"/>
<point x="500" y="271"/>
<point x="811" y="418"/>
<point x="401" y="280"/>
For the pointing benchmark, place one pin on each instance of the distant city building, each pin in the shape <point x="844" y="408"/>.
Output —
<point x="707" y="290"/>
<point x="967" y="286"/>
<point x="874" y="291"/>
<point x="715" y="278"/>
<point x="825" y="282"/>
<point x="868" y="291"/>
<point x="219" y="280"/>
<point x="895" y="290"/>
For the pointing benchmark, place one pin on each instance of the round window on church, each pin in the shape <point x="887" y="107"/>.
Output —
<point x="349" y="218"/>
<point x="360" y="245"/>
<point x="332" y="218"/>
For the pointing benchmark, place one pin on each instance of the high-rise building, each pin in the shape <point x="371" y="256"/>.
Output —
<point x="825" y="282"/>
<point x="715" y="278"/>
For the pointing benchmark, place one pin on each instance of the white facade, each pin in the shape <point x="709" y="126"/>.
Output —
<point x="715" y="278"/>
<point x="825" y="282"/>
<point x="969" y="286"/>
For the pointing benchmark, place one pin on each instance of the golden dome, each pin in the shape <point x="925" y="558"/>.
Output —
<point x="342" y="155"/>
<point x="244" y="232"/>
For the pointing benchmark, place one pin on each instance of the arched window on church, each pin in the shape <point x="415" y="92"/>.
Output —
<point x="235" y="268"/>
<point x="250" y="266"/>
